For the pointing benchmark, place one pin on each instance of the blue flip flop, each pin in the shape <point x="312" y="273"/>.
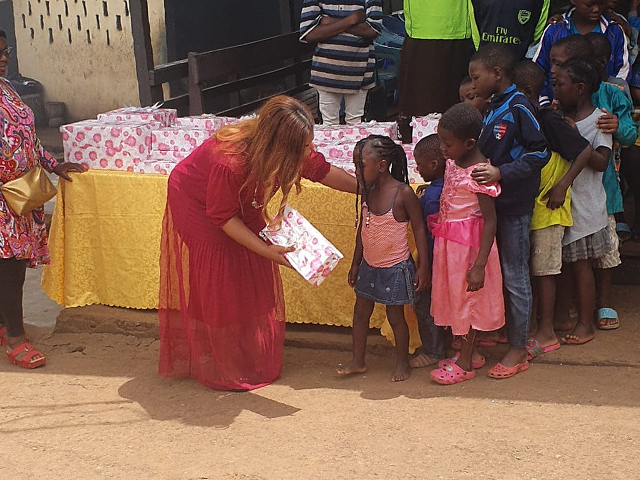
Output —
<point x="607" y="313"/>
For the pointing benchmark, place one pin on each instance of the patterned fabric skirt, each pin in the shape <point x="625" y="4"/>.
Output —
<point x="586" y="248"/>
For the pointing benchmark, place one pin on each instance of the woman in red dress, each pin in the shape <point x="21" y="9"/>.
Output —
<point x="221" y="299"/>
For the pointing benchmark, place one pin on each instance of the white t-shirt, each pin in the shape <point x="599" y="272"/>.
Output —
<point x="588" y="198"/>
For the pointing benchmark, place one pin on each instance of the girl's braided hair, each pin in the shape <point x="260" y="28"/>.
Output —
<point x="382" y="147"/>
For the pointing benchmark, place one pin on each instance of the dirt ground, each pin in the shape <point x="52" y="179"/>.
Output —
<point x="98" y="410"/>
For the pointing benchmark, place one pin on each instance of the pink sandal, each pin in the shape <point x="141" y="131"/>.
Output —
<point x="451" y="374"/>
<point x="475" y="364"/>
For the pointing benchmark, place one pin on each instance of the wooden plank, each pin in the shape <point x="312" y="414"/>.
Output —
<point x="196" y="99"/>
<point x="228" y="61"/>
<point x="253" y="106"/>
<point x="169" y="72"/>
<point x="143" y="52"/>
<point x="255" y="80"/>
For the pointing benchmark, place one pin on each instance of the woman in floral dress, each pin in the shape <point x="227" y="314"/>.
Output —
<point x="23" y="239"/>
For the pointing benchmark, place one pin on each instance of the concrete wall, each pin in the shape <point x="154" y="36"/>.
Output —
<point x="82" y="51"/>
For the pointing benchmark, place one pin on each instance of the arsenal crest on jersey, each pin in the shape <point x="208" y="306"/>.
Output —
<point x="524" y="16"/>
<point x="499" y="130"/>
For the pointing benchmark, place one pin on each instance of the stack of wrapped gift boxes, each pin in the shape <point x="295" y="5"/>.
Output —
<point x="337" y="142"/>
<point x="155" y="140"/>
<point x="140" y="140"/>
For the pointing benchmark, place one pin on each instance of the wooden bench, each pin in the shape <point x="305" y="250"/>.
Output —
<point x="244" y="76"/>
<point x="236" y="80"/>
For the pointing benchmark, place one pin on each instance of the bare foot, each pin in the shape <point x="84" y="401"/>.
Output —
<point x="351" y="369"/>
<point x="579" y="335"/>
<point x="515" y="356"/>
<point x="402" y="372"/>
<point x="422" y="360"/>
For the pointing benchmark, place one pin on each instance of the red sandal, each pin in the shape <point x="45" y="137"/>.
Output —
<point x="26" y="361"/>
<point x="3" y="333"/>
<point x="451" y="374"/>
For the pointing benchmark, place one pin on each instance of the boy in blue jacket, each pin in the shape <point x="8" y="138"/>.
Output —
<point x="586" y="16"/>
<point x="512" y="140"/>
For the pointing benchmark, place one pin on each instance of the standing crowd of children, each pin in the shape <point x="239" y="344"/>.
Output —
<point x="522" y="218"/>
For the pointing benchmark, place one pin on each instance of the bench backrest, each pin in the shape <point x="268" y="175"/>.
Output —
<point x="279" y="65"/>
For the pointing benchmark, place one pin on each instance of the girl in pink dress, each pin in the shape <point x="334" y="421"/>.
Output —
<point x="467" y="281"/>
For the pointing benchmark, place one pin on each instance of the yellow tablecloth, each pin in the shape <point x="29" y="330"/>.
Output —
<point x="105" y="246"/>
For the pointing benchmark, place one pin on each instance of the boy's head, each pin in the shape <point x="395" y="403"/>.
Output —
<point x="576" y="80"/>
<point x="572" y="46"/>
<point x="491" y="70"/>
<point x="589" y="10"/>
<point x="429" y="158"/>
<point x="468" y="95"/>
<point x="529" y="79"/>
<point x="601" y="49"/>
<point x="458" y="130"/>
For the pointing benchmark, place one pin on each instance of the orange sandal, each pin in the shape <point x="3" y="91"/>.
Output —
<point x="500" y="371"/>
<point x="27" y="361"/>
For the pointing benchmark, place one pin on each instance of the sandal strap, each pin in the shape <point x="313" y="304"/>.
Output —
<point x="534" y="348"/>
<point x="24" y="347"/>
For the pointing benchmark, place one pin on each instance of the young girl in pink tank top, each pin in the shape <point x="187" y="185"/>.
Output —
<point x="467" y="280"/>
<point x="382" y="270"/>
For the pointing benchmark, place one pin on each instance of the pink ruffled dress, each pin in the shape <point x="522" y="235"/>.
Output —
<point x="458" y="232"/>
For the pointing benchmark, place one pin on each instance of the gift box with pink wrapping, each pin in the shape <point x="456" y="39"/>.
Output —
<point x="424" y="126"/>
<point x="111" y="146"/>
<point x="325" y="134"/>
<point x="314" y="256"/>
<point x="164" y="116"/>
<point x="179" y="139"/>
<point x="336" y="153"/>
<point x="208" y="122"/>
<point x="158" y="167"/>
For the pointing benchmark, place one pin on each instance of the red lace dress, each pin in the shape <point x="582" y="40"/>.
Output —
<point x="221" y="305"/>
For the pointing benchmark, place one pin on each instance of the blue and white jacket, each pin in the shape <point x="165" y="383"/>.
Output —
<point x="618" y="65"/>
<point x="512" y="140"/>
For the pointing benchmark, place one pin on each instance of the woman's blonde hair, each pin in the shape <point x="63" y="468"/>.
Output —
<point x="273" y="146"/>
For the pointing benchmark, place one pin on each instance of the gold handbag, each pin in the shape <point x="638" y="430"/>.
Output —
<point x="30" y="191"/>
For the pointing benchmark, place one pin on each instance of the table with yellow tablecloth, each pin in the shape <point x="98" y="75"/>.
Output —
<point x="105" y="247"/>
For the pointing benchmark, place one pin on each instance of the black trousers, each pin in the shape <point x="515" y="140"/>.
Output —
<point x="12" y="275"/>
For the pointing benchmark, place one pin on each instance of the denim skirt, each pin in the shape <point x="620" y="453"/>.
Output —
<point x="387" y="286"/>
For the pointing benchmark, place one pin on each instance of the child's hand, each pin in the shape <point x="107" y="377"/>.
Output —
<point x="570" y="122"/>
<point x="607" y="123"/>
<point x="475" y="279"/>
<point x="422" y="280"/>
<point x="557" y="18"/>
<point x="420" y="190"/>
<point x="486" y="173"/>
<point x="63" y="169"/>
<point x="555" y="197"/>
<point x="353" y="275"/>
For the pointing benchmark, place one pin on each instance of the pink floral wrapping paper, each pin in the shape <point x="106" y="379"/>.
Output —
<point x="158" y="167"/>
<point x="337" y="134"/>
<point x="180" y="139"/>
<point x="424" y="126"/>
<point x="207" y="122"/>
<point x="109" y="146"/>
<point x="165" y="116"/>
<point x="314" y="257"/>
